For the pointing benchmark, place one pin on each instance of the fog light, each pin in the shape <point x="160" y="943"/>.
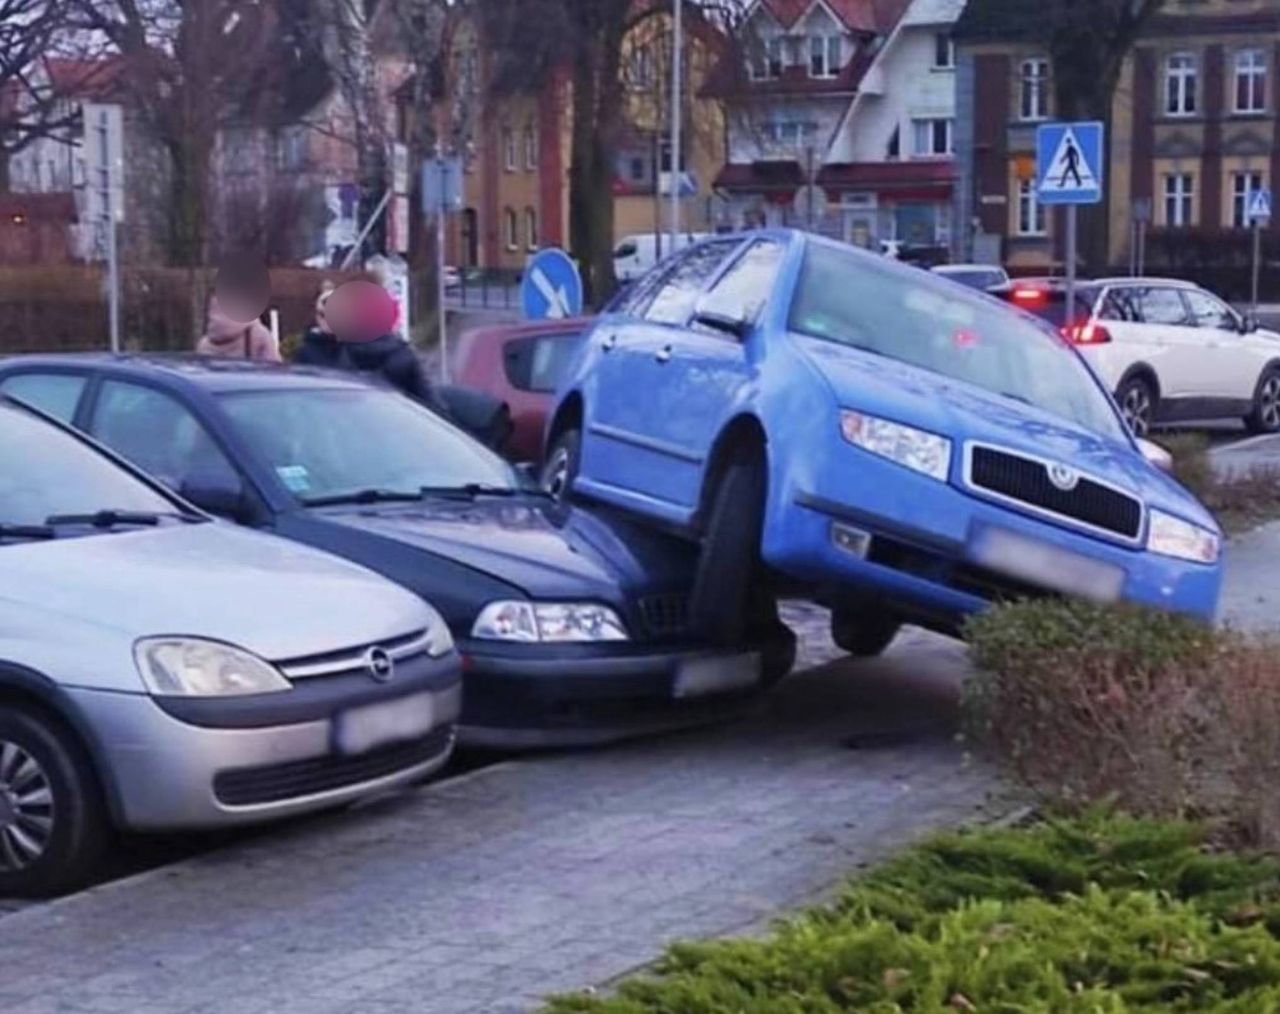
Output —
<point x="851" y="540"/>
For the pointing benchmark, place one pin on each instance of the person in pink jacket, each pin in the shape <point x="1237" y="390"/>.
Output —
<point x="234" y="337"/>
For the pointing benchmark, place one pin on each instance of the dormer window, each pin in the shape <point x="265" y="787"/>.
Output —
<point x="767" y="59"/>
<point x="824" y="56"/>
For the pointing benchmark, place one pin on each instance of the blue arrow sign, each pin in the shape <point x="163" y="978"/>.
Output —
<point x="1069" y="163"/>
<point x="551" y="288"/>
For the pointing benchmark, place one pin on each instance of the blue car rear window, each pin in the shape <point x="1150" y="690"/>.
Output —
<point x="914" y="317"/>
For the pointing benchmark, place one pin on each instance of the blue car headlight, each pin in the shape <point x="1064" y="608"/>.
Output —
<point x="923" y="452"/>
<point x="1171" y="536"/>
<point x="548" y="622"/>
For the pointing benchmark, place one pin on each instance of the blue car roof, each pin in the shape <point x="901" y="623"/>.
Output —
<point x="201" y="371"/>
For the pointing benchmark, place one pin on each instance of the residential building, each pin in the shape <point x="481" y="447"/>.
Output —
<point x="1193" y="126"/>
<point x="789" y="88"/>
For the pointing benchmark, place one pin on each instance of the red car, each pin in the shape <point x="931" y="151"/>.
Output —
<point x="522" y="365"/>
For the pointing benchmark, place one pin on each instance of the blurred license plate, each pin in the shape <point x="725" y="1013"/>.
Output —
<point x="1046" y="566"/>
<point x="697" y="677"/>
<point x="361" y="729"/>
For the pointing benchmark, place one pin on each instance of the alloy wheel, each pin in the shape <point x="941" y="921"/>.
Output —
<point x="26" y="808"/>
<point x="556" y="475"/>
<point x="1269" y="403"/>
<point x="1136" y="410"/>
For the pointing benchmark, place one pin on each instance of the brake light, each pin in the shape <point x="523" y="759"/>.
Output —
<point x="1029" y="295"/>
<point x="1089" y="333"/>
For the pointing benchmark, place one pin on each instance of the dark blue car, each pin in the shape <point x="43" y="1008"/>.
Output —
<point x="572" y="624"/>
<point x="879" y="438"/>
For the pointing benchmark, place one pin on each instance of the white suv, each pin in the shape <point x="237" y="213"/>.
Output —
<point x="1168" y="349"/>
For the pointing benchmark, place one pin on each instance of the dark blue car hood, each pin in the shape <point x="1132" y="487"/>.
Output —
<point x="543" y="549"/>
<point x="962" y="411"/>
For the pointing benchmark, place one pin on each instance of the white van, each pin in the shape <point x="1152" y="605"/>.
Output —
<point x="637" y="254"/>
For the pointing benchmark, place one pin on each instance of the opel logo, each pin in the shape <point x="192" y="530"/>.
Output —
<point x="381" y="666"/>
<point x="1066" y="479"/>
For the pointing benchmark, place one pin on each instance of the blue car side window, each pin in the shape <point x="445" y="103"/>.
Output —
<point x="673" y="303"/>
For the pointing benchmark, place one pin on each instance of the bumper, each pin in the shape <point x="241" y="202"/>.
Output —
<point x="165" y="773"/>
<point x="529" y="697"/>
<point x="922" y="560"/>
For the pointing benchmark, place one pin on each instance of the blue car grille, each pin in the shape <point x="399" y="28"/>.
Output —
<point x="1026" y="480"/>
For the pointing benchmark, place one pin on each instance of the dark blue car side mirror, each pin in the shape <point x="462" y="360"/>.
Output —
<point x="217" y="493"/>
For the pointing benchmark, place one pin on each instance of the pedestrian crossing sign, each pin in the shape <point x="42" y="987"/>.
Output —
<point x="1069" y="163"/>
<point x="1260" y="206"/>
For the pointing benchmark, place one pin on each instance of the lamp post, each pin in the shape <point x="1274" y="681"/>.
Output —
<point x="677" y="45"/>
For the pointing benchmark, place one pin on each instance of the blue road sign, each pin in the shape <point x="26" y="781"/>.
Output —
<point x="1260" y="205"/>
<point x="551" y="288"/>
<point x="1069" y="167"/>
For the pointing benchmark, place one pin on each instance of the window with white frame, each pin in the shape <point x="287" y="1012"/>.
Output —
<point x="1179" y="189"/>
<point x="1243" y="186"/>
<point x="530" y="148"/>
<point x="1251" y="81"/>
<point x="510" y="225"/>
<point x="824" y="55"/>
<point x="944" y="51"/>
<point x="1033" y="90"/>
<point x="1180" y="84"/>
<point x="640" y="68"/>
<point x="1030" y="210"/>
<point x="531" y="228"/>
<point x="931" y="137"/>
<point x="766" y="59"/>
<point x="509" y="149"/>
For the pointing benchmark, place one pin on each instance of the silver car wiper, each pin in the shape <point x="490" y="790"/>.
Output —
<point x="107" y="518"/>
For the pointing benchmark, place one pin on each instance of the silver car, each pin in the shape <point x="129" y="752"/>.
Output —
<point x="163" y="670"/>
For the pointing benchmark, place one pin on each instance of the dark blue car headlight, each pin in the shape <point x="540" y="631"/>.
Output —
<point x="548" y="623"/>
<point x="918" y="450"/>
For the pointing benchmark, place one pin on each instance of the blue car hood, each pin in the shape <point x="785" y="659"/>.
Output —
<point x="546" y="550"/>
<point x="962" y="411"/>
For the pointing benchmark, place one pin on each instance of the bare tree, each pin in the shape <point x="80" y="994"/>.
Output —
<point x="189" y="69"/>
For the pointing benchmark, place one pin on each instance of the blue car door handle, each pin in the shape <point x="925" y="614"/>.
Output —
<point x="608" y="342"/>
<point x="663" y="355"/>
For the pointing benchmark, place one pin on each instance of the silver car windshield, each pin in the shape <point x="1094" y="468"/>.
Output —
<point x="45" y="472"/>
<point x="915" y="317"/>
<point x="325" y="443"/>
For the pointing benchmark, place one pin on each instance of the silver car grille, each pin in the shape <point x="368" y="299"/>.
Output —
<point x="356" y="659"/>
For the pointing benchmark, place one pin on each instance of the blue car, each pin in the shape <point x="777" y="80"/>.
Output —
<point x="870" y="436"/>
<point x="572" y="624"/>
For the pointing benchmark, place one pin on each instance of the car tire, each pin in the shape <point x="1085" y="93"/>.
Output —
<point x="561" y="467"/>
<point x="863" y="633"/>
<point x="1265" y="415"/>
<point x="1137" y="400"/>
<point x="53" y="824"/>
<point x="729" y="560"/>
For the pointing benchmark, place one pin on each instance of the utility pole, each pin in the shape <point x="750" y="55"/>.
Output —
<point x="677" y="87"/>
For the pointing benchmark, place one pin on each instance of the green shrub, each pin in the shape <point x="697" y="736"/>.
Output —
<point x="1191" y="464"/>
<point x="1100" y="913"/>
<point x="1164" y="715"/>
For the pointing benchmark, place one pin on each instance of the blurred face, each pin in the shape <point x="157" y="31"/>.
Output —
<point x="360" y="311"/>
<point x="242" y="290"/>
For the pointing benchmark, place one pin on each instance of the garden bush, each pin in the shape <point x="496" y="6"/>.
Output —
<point x="1098" y="913"/>
<point x="1158" y="712"/>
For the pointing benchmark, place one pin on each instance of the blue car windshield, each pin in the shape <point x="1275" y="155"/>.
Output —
<point x="914" y="317"/>
<point x="329" y="442"/>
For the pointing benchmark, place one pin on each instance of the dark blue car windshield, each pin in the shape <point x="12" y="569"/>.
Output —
<point x="912" y="316"/>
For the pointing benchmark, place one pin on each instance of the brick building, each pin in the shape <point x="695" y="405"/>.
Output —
<point x="1194" y="127"/>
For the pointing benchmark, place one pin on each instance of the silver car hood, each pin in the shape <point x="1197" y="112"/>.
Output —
<point x="276" y="598"/>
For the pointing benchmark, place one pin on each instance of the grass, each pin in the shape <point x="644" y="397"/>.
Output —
<point x="1095" y="913"/>
<point x="1240" y="501"/>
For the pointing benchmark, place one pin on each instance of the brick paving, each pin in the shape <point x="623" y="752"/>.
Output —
<point x="543" y="874"/>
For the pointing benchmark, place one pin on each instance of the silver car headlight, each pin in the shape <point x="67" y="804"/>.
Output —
<point x="194" y="667"/>
<point x="923" y="452"/>
<point x="1171" y="536"/>
<point x="548" y="622"/>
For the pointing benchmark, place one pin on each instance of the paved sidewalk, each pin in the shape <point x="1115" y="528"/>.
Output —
<point x="552" y="873"/>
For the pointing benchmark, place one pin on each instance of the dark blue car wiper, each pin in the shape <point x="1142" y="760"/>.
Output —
<point x="363" y="496"/>
<point x="106" y="518"/>
<point x="471" y="490"/>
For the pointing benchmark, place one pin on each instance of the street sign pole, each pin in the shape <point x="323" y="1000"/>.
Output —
<point x="1259" y="214"/>
<point x="440" y="265"/>
<point x="1071" y="265"/>
<point x="1257" y="260"/>
<point x="109" y="228"/>
<point x="677" y="88"/>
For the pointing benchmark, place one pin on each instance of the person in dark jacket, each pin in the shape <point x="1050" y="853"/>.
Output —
<point x="319" y="345"/>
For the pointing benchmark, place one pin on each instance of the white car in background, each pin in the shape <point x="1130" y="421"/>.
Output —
<point x="975" y="276"/>
<point x="1168" y="349"/>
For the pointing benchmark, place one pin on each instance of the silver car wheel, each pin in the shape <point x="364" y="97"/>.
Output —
<point x="26" y="808"/>
<point x="1269" y="403"/>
